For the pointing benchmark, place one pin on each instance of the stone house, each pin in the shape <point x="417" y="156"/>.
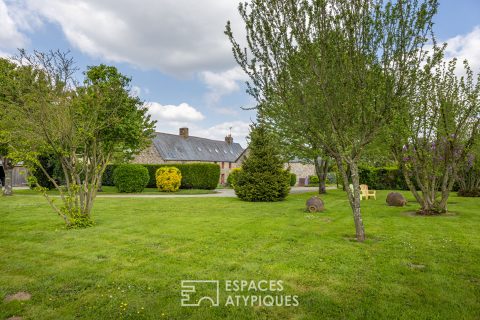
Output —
<point x="183" y="148"/>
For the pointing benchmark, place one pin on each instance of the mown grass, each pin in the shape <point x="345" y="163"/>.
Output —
<point x="109" y="190"/>
<point x="129" y="266"/>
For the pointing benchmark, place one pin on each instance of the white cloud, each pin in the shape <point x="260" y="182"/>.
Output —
<point x="171" y="117"/>
<point x="465" y="46"/>
<point x="176" y="114"/>
<point x="222" y="83"/>
<point x="239" y="129"/>
<point x="10" y="35"/>
<point x="179" y="37"/>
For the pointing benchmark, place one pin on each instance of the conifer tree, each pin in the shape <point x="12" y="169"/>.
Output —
<point x="262" y="177"/>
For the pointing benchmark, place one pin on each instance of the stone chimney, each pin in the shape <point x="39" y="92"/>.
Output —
<point x="229" y="139"/>
<point x="183" y="132"/>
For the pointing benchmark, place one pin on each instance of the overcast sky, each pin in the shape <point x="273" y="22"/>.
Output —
<point x="175" y="51"/>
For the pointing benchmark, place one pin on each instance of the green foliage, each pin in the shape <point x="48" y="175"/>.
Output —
<point x="293" y="179"/>
<point x="468" y="183"/>
<point x="75" y="219"/>
<point x="232" y="177"/>
<point x="262" y="177"/>
<point x="194" y="175"/>
<point x="107" y="177"/>
<point x="54" y="169"/>
<point x="313" y="179"/>
<point x="331" y="178"/>
<point x="384" y="178"/>
<point x="168" y="179"/>
<point x="199" y="175"/>
<point x="130" y="178"/>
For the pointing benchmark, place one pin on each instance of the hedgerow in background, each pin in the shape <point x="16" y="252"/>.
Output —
<point x="199" y="175"/>
<point x="469" y="174"/>
<point x="262" y="177"/>
<point x="382" y="178"/>
<point x="53" y="168"/>
<point x="293" y="179"/>
<point x="313" y="179"/>
<point x="168" y="179"/>
<point x="232" y="177"/>
<point x="194" y="175"/>
<point x="130" y="178"/>
<point x="107" y="177"/>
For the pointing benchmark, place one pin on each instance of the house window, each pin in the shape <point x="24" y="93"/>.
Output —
<point x="229" y="165"/>
<point x="223" y="165"/>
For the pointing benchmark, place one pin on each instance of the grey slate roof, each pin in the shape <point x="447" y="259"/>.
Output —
<point x="174" y="147"/>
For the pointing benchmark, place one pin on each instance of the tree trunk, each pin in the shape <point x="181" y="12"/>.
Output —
<point x="357" y="215"/>
<point x="353" y="197"/>
<point x="8" y="190"/>
<point x="321" y="169"/>
<point x="8" y="169"/>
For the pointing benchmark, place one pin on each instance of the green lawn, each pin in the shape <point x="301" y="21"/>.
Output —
<point x="113" y="190"/>
<point x="129" y="266"/>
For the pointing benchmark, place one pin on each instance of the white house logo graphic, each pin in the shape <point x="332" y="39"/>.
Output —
<point x="200" y="292"/>
<point x="236" y="293"/>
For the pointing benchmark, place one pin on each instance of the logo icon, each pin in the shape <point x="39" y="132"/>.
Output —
<point x="196" y="292"/>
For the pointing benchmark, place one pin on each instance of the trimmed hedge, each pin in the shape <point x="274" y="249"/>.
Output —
<point x="107" y="178"/>
<point x="130" y="178"/>
<point x="383" y="178"/>
<point x="194" y="175"/>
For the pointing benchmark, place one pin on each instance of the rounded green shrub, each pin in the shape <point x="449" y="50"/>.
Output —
<point x="130" y="177"/>
<point x="168" y="179"/>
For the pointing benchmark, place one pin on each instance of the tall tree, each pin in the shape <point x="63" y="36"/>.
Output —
<point x="83" y="126"/>
<point x="7" y="69"/>
<point x="437" y="131"/>
<point x="262" y="177"/>
<point x="339" y="67"/>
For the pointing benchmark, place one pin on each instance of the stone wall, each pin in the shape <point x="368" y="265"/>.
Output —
<point x="301" y="170"/>
<point x="148" y="156"/>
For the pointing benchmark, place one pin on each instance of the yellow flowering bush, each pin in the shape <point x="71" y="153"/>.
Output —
<point x="168" y="179"/>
